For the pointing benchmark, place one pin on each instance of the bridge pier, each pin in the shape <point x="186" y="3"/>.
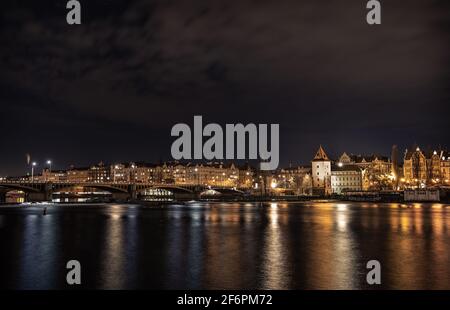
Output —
<point x="48" y="191"/>
<point x="133" y="191"/>
<point x="2" y="197"/>
<point x="120" y="196"/>
<point x="35" y="197"/>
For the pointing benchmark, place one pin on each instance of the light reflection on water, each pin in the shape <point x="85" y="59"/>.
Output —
<point x="227" y="245"/>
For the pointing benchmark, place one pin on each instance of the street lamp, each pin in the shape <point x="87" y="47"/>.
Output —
<point x="49" y="163"/>
<point x="197" y="175"/>
<point x="33" y="164"/>
<point x="273" y="184"/>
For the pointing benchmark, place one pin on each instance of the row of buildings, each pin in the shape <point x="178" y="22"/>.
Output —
<point x="420" y="169"/>
<point x="324" y="176"/>
<point x="212" y="173"/>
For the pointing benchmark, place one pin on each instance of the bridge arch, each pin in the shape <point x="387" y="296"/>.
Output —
<point x="104" y="187"/>
<point x="175" y="189"/>
<point x="219" y="191"/>
<point x="19" y="187"/>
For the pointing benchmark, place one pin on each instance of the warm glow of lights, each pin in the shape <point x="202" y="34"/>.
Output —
<point x="340" y="164"/>
<point x="341" y="206"/>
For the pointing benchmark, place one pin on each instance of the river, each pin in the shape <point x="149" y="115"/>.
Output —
<point x="308" y="245"/>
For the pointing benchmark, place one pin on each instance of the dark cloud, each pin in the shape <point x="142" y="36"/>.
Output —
<point x="115" y="85"/>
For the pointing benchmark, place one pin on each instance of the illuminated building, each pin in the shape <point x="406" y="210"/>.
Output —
<point x="296" y="180"/>
<point x="99" y="173"/>
<point x="143" y="173"/>
<point x="168" y="172"/>
<point x="213" y="174"/>
<point x="246" y="176"/>
<point x="426" y="168"/>
<point x="77" y="175"/>
<point x="346" y="178"/>
<point x="119" y="173"/>
<point x="134" y="173"/>
<point x="377" y="170"/>
<point x="445" y="168"/>
<point x="54" y="175"/>
<point x="321" y="173"/>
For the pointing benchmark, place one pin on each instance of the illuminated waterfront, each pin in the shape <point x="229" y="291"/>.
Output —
<point x="227" y="245"/>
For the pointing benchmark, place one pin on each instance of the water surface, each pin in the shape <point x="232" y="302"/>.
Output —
<point x="226" y="245"/>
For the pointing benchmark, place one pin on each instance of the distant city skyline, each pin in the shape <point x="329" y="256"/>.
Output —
<point x="62" y="165"/>
<point x="112" y="88"/>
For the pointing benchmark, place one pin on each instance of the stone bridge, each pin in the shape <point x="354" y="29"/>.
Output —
<point x="43" y="191"/>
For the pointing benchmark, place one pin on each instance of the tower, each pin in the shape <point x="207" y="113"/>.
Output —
<point x="321" y="173"/>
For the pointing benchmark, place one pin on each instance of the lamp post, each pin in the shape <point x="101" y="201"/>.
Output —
<point x="198" y="176"/>
<point x="48" y="175"/>
<point x="33" y="164"/>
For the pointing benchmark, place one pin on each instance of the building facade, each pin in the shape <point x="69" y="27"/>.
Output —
<point x="134" y="173"/>
<point x="321" y="173"/>
<point x="445" y="168"/>
<point x="54" y="175"/>
<point x="246" y="177"/>
<point x="346" y="178"/>
<point x="100" y="173"/>
<point x="293" y="180"/>
<point x="377" y="171"/>
<point x="425" y="168"/>
<point x="213" y="174"/>
<point x="77" y="175"/>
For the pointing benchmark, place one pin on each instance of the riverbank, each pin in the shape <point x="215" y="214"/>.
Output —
<point x="215" y="201"/>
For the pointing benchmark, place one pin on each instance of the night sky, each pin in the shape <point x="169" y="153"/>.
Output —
<point x="112" y="88"/>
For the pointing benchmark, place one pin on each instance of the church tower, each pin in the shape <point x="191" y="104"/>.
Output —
<point x="321" y="173"/>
